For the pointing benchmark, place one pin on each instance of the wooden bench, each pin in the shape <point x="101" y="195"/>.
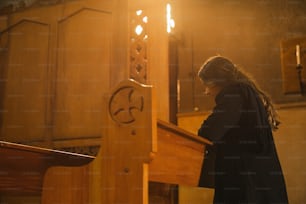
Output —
<point x="22" y="167"/>
<point x="136" y="148"/>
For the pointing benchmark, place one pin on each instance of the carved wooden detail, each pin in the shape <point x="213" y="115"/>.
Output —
<point x="138" y="46"/>
<point x="86" y="150"/>
<point x="122" y="104"/>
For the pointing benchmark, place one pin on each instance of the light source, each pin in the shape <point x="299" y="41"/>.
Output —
<point x="170" y="21"/>
<point x="299" y="68"/>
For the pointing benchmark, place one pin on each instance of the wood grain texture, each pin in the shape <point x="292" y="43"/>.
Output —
<point x="137" y="149"/>
<point x="179" y="157"/>
<point x="22" y="167"/>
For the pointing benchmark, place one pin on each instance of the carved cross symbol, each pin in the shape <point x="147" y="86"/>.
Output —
<point x="123" y="103"/>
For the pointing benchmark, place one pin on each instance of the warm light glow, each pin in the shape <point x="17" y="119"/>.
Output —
<point x="298" y="57"/>
<point x="145" y="19"/>
<point x="139" y="12"/>
<point x="170" y="21"/>
<point x="138" y="29"/>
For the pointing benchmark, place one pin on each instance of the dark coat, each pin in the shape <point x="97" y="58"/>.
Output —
<point x="247" y="168"/>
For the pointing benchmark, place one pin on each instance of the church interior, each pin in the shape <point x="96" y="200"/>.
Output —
<point x="60" y="60"/>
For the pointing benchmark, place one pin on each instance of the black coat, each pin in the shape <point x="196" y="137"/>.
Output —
<point x="247" y="168"/>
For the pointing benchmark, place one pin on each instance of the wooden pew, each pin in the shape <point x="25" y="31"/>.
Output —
<point x="22" y="167"/>
<point x="136" y="148"/>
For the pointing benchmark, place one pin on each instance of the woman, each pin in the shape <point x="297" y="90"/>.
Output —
<point x="247" y="168"/>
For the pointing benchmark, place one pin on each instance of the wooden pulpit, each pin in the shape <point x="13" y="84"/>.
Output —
<point x="135" y="148"/>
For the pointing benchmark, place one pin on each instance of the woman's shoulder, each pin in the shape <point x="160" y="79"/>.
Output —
<point x="234" y="90"/>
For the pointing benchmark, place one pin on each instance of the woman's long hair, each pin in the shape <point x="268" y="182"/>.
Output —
<point x="220" y="71"/>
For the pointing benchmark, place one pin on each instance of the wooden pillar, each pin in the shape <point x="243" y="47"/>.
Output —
<point x="151" y="66"/>
<point x="120" y="44"/>
<point x="130" y="141"/>
<point x="119" y="173"/>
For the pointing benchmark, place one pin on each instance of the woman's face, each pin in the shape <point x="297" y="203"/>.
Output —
<point x="211" y="90"/>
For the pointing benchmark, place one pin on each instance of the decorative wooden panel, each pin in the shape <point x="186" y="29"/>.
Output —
<point x="83" y="64"/>
<point x="289" y="62"/>
<point x="25" y="89"/>
<point x="138" y="46"/>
